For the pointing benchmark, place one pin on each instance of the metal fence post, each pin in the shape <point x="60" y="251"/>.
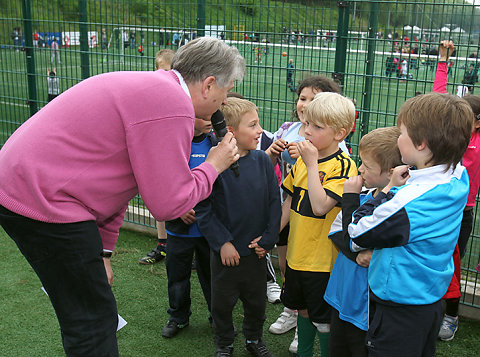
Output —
<point x="371" y="45"/>
<point x="31" y="79"/>
<point x="341" y="43"/>
<point x="201" y="18"/>
<point x="84" y="57"/>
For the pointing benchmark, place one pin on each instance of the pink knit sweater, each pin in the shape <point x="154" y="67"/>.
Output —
<point x="92" y="149"/>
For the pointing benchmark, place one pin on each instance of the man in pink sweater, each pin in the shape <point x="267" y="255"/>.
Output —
<point x="68" y="173"/>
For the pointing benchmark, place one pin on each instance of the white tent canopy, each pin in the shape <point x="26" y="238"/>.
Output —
<point x="458" y="30"/>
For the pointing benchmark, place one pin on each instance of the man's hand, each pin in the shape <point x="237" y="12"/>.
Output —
<point x="189" y="217"/>
<point x="229" y="255"/>
<point x="108" y="270"/>
<point x="261" y="252"/>
<point x="224" y="154"/>
<point x="363" y="258"/>
<point x="353" y="184"/>
<point x="308" y="152"/>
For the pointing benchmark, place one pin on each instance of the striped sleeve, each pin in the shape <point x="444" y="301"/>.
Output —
<point x="287" y="184"/>
<point x="333" y="184"/>
<point x="379" y="223"/>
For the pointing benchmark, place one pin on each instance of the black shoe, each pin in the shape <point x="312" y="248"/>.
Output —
<point x="224" y="352"/>
<point x="172" y="328"/>
<point x="159" y="253"/>
<point x="258" y="349"/>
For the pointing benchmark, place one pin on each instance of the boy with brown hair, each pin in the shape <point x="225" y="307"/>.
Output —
<point x="347" y="290"/>
<point x="315" y="188"/>
<point x="413" y="226"/>
<point x="241" y="221"/>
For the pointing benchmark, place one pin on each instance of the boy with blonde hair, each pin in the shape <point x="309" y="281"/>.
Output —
<point x="413" y="224"/>
<point x="163" y="59"/>
<point x="347" y="290"/>
<point x="315" y="188"/>
<point x="241" y="221"/>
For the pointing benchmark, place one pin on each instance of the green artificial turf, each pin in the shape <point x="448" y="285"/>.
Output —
<point x="29" y="327"/>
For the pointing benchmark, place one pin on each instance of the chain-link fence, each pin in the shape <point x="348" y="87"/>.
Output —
<point x="382" y="52"/>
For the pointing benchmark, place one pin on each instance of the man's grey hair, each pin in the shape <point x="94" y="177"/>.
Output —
<point x="208" y="56"/>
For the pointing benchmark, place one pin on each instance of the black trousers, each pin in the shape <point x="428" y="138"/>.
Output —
<point x="247" y="282"/>
<point x="403" y="330"/>
<point x="66" y="258"/>
<point x="346" y="339"/>
<point x="180" y="251"/>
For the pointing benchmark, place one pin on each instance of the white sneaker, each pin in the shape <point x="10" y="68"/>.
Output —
<point x="294" y="345"/>
<point x="285" y="322"/>
<point x="448" y="328"/>
<point x="273" y="292"/>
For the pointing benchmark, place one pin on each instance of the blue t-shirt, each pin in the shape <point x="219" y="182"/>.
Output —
<point x="198" y="155"/>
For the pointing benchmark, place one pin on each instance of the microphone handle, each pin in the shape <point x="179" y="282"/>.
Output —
<point x="219" y="126"/>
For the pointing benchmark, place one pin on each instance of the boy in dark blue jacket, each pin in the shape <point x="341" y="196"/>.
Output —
<point x="241" y="222"/>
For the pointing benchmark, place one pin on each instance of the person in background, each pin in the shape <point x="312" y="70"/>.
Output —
<point x="35" y="36"/>
<point x="163" y="61"/>
<point x="103" y="39"/>
<point x="184" y="240"/>
<point x="290" y="76"/>
<point x="55" y="52"/>
<point x="53" y="86"/>
<point x="471" y="161"/>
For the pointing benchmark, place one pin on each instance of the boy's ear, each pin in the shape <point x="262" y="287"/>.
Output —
<point x="422" y="146"/>
<point x="390" y="173"/>
<point x="231" y="130"/>
<point x="340" y="134"/>
<point x="207" y="86"/>
<point x="476" y="125"/>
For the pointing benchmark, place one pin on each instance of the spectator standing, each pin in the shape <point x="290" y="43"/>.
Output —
<point x="103" y="39"/>
<point x="35" y="36"/>
<point x="55" y="52"/>
<point x="53" y="87"/>
<point x="290" y="76"/>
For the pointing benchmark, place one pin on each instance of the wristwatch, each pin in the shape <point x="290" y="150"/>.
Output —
<point x="105" y="254"/>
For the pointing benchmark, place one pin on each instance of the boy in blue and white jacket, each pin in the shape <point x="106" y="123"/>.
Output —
<point x="413" y="226"/>
<point x="347" y="290"/>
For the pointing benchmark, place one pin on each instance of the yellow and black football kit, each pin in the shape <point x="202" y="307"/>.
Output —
<point x="309" y="248"/>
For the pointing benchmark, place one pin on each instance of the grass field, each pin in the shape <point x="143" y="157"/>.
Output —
<point x="29" y="326"/>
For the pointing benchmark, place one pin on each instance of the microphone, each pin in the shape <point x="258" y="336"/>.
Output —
<point x="220" y="129"/>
